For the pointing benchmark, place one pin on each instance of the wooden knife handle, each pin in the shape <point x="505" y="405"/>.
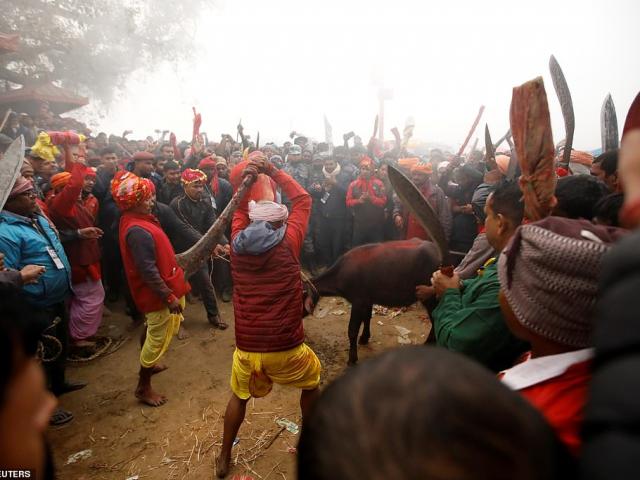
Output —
<point x="448" y="270"/>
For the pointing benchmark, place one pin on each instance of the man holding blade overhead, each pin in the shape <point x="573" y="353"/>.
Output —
<point x="267" y="299"/>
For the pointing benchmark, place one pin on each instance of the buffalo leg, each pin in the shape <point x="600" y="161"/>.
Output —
<point x="366" y="329"/>
<point x="358" y="314"/>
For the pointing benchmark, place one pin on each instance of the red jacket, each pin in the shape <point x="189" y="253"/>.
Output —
<point x="374" y="187"/>
<point x="68" y="212"/>
<point x="267" y="288"/>
<point x="561" y="400"/>
<point x="557" y="386"/>
<point x="144" y="297"/>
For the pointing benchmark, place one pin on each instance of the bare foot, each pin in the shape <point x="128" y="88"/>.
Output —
<point x="150" y="397"/>
<point x="183" y="334"/>
<point x="222" y="466"/>
<point x="158" y="368"/>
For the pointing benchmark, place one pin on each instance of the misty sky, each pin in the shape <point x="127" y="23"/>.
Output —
<point x="280" y="65"/>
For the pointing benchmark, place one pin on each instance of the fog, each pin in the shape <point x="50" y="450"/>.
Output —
<point x="282" y="65"/>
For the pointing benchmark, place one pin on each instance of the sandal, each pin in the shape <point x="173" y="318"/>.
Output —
<point x="60" y="417"/>
<point x="216" y="322"/>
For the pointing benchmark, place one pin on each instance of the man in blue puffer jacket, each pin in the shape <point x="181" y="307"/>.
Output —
<point x="27" y="238"/>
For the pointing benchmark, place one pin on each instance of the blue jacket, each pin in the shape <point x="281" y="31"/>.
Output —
<point x="22" y="244"/>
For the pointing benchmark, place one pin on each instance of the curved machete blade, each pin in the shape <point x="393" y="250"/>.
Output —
<point x="421" y="210"/>
<point x="566" y="105"/>
<point x="608" y="125"/>
<point x="633" y="117"/>
<point x="490" y="154"/>
<point x="10" y="168"/>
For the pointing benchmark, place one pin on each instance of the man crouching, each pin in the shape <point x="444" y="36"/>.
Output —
<point x="156" y="281"/>
<point x="267" y="299"/>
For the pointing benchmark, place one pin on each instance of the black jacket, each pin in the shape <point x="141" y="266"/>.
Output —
<point x="169" y="191"/>
<point x="181" y="235"/>
<point x="612" y="418"/>
<point x="200" y="215"/>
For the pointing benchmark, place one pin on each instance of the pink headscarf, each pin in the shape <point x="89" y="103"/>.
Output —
<point x="22" y="185"/>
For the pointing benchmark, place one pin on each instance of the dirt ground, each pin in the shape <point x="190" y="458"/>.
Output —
<point x="180" y="439"/>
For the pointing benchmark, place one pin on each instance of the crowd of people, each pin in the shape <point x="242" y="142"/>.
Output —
<point x="91" y="219"/>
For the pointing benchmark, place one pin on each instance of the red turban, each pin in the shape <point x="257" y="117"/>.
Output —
<point x="366" y="162"/>
<point x="207" y="162"/>
<point x="60" y="180"/>
<point x="90" y="172"/>
<point x="425" y="168"/>
<point x="263" y="189"/>
<point x="129" y="190"/>
<point x="503" y="163"/>
<point x="191" y="175"/>
<point x="256" y="155"/>
<point x="150" y="184"/>
<point x="408" y="163"/>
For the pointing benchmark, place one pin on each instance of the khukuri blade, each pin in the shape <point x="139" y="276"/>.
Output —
<point x="566" y="105"/>
<point x="531" y="127"/>
<point x="10" y="168"/>
<point x="608" y="125"/>
<point x="421" y="210"/>
<point x="633" y="116"/>
<point x="473" y="129"/>
<point x="194" y="258"/>
<point x="489" y="152"/>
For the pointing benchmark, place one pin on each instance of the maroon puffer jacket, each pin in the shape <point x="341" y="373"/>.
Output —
<point x="267" y="300"/>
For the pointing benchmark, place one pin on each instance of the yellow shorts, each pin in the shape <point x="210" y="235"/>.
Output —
<point x="253" y="374"/>
<point x="162" y="325"/>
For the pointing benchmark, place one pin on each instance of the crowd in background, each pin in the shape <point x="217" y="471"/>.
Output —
<point x="353" y="203"/>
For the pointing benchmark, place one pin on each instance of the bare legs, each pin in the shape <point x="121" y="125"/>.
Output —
<point x="233" y="417"/>
<point x="144" y="392"/>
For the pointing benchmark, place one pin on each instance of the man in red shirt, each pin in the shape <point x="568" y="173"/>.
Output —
<point x="267" y="299"/>
<point x="367" y="198"/>
<point x="548" y="285"/>
<point x="75" y="221"/>
<point x="156" y="281"/>
<point x="406" y="222"/>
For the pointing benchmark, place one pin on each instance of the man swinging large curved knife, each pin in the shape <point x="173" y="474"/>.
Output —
<point x="421" y="210"/>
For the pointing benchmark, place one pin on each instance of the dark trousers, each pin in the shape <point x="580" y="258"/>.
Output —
<point x="222" y="276"/>
<point x="43" y="319"/>
<point x="364" y="233"/>
<point x="202" y="284"/>
<point x="111" y="265"/>
<point x="330" y="237"/>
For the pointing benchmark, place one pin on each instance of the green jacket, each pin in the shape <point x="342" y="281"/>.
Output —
<point x="469" y="321"/>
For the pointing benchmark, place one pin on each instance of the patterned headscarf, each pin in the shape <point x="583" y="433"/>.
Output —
<point x="191" y="175"/>
<point x="549" y="276"/>
<point x="129" y="190"/>
<point x="22" y="185"/>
